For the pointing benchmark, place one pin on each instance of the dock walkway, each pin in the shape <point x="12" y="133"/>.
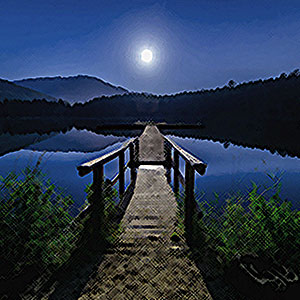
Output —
<point x="145" y="263"/>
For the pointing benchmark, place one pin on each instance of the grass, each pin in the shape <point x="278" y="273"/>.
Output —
<point x="257" y="222"/>
<point x="35" y="224"/>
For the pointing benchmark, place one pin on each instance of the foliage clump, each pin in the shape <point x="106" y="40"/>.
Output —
<point x="109" y="212"/>
<point x="34" y="215"/>
<point x="259" y="222"/>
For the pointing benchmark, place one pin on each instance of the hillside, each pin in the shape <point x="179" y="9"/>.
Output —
<point x="10" y="91"/>
<point x="72" y="89"/>
<point x="262" y="114"/>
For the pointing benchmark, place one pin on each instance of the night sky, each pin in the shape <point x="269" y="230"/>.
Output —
<point x="195" y="44"/>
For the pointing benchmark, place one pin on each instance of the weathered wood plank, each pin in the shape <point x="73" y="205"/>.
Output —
<point x="151" y="145"/>
<point x="145" y="256"/>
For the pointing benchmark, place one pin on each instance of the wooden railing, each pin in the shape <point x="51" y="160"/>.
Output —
<point x="97" y="167"/>
<point x="192" y="164"/>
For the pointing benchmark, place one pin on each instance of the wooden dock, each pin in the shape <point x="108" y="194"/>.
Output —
<point x="145" y="263"/>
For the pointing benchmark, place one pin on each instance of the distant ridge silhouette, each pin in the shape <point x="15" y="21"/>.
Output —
<point x="80" y="88"/>
<point x="10" y="91"/>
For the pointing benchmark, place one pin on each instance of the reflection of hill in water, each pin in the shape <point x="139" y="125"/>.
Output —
<point x="76" y="140"/>
<point x="262" y="114"/>
<point x="280" y="142"/>
<point x="229" y="169"/>
<point x="9" y="143"/>
<point x="275" y="138"/>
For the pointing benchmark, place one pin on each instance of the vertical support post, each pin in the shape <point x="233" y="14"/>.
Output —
<point x="190" y="204"/>
<point x="121" y="174"/>
<point x="95" y="225"/>
<point x="136" y="152"/>
<point x="168" y="158"/>
<point x="97" y="185"/>
<point x="176" y="172"/>
<point x="132" y="163"/>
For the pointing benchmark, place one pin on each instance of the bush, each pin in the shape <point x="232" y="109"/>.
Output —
<point x="110" y="228"/>
<point x="34" y="215"/>
<point x="257" y="222"/>
<point x="38" y="235"/>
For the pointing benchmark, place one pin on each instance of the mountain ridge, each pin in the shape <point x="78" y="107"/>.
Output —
<point x="79" y="88"/>
<point x="11" y="91"/>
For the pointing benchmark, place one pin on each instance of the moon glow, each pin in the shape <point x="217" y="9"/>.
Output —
<point x="146" y="56"/>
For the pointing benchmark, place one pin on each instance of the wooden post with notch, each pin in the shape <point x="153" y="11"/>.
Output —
<point x="176" y="172"/>
<point x="97" y="185"/>
<point x="132" y="163"/>
<point x="121" y="174"/>
<point x="168" y="158"/>
<point x="136" y="152"/>
<point x="95" y="224"/>
<point x="190" y="204"/>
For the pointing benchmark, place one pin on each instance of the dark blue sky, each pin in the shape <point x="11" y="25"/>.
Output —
<point x="196" y="44"/>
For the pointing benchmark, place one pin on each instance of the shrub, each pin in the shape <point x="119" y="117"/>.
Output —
<point x="34" y="215"/>
<point x="110" y="226"/>
<point x="257" y="222"/>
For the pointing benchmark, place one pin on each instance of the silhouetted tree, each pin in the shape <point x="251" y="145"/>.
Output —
<point x="231" y="84"/>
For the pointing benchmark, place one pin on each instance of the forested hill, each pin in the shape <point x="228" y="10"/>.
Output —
<point x="73" y="89"/>
<point x="262" y="113"/>
<point x="271" y="99"/>
<point x="276" y="99"/>
<point x="10" y="90"/>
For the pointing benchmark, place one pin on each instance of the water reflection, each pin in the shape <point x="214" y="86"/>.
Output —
<point x="229" y="169"/>
<point x="60" y="167"/>
<point x="234" y="168"/>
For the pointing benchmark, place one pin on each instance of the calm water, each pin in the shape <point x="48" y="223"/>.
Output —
<point x="229" y="169"/>
<point x="234" y="169"/>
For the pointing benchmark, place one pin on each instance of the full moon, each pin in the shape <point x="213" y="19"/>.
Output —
<point x="146" y="55"/>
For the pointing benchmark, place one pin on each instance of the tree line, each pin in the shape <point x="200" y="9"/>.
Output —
<point x="275" y="98"/>
<point x="261" y="113"/>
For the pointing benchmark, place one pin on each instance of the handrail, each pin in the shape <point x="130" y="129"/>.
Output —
<point x="87" y="167"/>
<point x="196" y="163"/>
<point x="97" y="166"/>
<point x="192" y="164"/>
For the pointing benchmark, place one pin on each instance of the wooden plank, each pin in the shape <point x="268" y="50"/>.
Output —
<point x="196" y="163"/>
<point x="151" y="145"/>
<point x="146" y="239"/>
<point x="154" y="162"/>
<point x="90" y="165"/>
<point x="152" y="197"/>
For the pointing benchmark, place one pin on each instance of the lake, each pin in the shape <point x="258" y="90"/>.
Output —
<point x="230" y="168"/>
